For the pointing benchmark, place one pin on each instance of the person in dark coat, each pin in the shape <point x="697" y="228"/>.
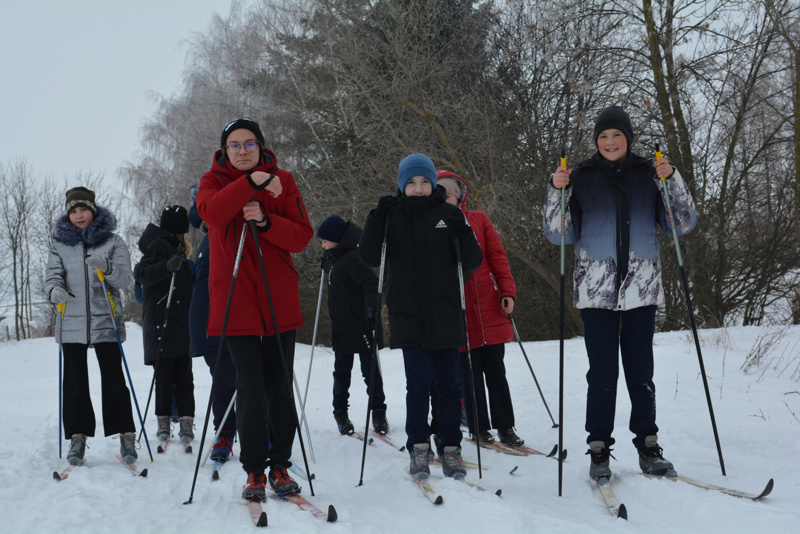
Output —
<point x="353" y="309"/>
<point x="245" y="184"/>
<point x="83" y="243"/>
<point x="615" y="204"/>
<point x="207" y="346"/>
<point x="490" y="297"/>
<point x="166" y="279"/>
<point x="425" y="238"/>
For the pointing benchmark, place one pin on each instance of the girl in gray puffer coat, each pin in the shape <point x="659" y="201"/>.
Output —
<point x="83" y="243"/>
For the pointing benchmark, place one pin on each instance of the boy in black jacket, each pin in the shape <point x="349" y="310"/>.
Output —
<point x="352" y="306"/>
<point x="425" y="239"/>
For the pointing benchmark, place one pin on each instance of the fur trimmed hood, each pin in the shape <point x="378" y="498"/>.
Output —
<point x="95" y="234"/>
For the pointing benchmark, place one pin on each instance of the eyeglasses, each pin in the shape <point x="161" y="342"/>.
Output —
<point x="252" y="146"/>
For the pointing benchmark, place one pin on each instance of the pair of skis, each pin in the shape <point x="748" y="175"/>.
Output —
<point x="62" y="475"/>
<point x="619" y="510"/>
<point x="259" y="516"/>
<point x="162" y="447"/>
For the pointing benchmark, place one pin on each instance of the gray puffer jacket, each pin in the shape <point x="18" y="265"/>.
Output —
<point x="87" y="318"/>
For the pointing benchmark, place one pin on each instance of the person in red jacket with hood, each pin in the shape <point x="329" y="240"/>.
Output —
<point x="245" y="184"/>
<point x="490" y="295"/>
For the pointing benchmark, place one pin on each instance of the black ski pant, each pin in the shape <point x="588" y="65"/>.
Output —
<point x="489" y="372"/>
<point x="259" y="372"/>
<point x="77" y="403"/>
<point x="174" y="379"/>
<point x="342" y="369"/>
<point x="607" y="334"/>
<point x="224" y="388"/>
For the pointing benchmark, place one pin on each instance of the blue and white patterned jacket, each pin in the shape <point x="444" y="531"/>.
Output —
<point x="612" y="208"/>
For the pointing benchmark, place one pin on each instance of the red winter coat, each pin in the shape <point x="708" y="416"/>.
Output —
<point x="224" y="190"/>
<point x="488" y="323"/>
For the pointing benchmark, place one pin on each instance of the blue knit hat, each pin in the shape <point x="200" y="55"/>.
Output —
<point x="332" y="229"/>
<point x="415" y="165"/>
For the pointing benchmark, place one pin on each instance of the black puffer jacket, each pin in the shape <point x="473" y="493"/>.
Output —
<point x="352" y="288"/>
<point x="151" y="272"/>
<point x="423" y="294"/>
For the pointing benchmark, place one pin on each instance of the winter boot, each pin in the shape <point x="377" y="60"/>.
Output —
<point x="379" y="422"/>
<point x="281" y="482"/>
<point x="599" y="467"/>
<point x="164" y="429"/>
<point x="127" y="447"/>
<point x="187" y="429"/>
<point x="222" y="448"/>
<point x="77" y="449"/>
<point x="419" y="461"/>
<point x="254" y="489"/>
<point x="651" y="460"/>
<point x="509" y="437"/>
<point x="484" y="437"/>
<point x="344" y="422"/>
<point x="451" y="463"/>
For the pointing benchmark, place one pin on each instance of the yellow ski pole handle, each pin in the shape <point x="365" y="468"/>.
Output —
<point x="102" y="278"/>
<point x="658" y="158"/>
<point x="61" y="307"/>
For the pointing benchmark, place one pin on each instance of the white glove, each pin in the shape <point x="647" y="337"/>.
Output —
<point x="97" y="261"/>
<point x="58" y="295"/>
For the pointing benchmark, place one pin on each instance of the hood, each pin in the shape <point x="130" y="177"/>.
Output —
<point x="153" y="232"/>
<point x="95" y="234"/>
<point x="440" y="173"/>
<point x="349" y="241"/>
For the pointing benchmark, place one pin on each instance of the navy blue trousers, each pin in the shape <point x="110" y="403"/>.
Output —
<point x="342" y="368"/>
<point x="224" y="388"/>
<point x="609" y="333"/>
<point x="438" y="368"/>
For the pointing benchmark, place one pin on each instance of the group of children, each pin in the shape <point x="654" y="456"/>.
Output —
<point x="449" y="294"/>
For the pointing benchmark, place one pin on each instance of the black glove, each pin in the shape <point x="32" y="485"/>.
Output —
<point x="371" y="317"/>
<point x="385" y="204"/>
<point x="175" y="263"/>
<point x="458" y="227"/>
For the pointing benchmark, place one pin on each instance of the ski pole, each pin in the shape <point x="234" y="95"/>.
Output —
<point x="219" y="357"/>
<point x="469" y="355"/>
<point x="375" y="356"/>
<point x="313" y="344"/>
<point x="160" y="340"/>
<point x="288" y="375"/>
<point x="61" y="307"/>
<point x="691" y="313"/>
<point x="303" y="417"/>
<point x="516" y="334"/>
<point x="561" y="332"/>
<point x="112" y="309"/>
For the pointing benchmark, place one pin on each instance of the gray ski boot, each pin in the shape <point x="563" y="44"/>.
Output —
<point x="127" y="447"/>
<point x="599" y="467"/>
<point x="187" y="429"/>
<point x="164" y="429"/>
<point x="651" y="461"/>
<point x="451" y="463"/>
<point x="419" y="461"/>
<point x="77" y="449"/>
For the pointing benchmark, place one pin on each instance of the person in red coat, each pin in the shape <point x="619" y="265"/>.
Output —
<point x="245" y="184"/>
<point x="490" y="294"/>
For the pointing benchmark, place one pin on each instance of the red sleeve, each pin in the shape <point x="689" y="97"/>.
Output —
<point x="495" y="255"/>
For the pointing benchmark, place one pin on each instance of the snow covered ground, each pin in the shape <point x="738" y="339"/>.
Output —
<point x="757" y="416"/>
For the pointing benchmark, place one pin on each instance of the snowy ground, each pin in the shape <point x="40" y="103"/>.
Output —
<point x="757" y="417"/>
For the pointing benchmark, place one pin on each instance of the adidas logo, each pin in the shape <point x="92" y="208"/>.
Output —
<point x="441" y="224"/>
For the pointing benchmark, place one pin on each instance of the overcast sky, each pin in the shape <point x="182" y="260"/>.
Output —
<point x="76" y="76"/>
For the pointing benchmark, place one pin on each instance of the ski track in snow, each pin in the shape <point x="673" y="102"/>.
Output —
<point x="756" y="417"/>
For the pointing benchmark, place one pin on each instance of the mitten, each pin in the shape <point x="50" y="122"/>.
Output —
<point x="58" y="295"/>
<point x="175" y="263"/>
<point x="97" y="261"/>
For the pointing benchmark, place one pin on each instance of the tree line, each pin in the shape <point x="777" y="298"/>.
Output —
<point x="494" y="91"/>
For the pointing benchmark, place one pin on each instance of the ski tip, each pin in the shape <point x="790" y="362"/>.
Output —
<point x="332" y="515"/>
<point x="563" y="455"/>
<point x="56" y="476"/>
<point x="439" y="500"/>
<point x="498" y="492"/>
<point x="312" y="476"/>
<point x="371" y="441"/>
<point x="768" y="489"/>
<point x="622" y="513"/>
<point x="143" y="474"/>
<point x="403" y="448"/>
<point x="262" y="520"/>
<point x="553" y="451"/>
<point x="513" y="470"/>
<point x="555" y="425"/>
<point x="159" y="449"/>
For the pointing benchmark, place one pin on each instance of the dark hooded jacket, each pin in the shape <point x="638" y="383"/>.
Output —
<point x="352" y="288"/>
<point x="422" y="294"/>
<point x="158" y="246"/>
